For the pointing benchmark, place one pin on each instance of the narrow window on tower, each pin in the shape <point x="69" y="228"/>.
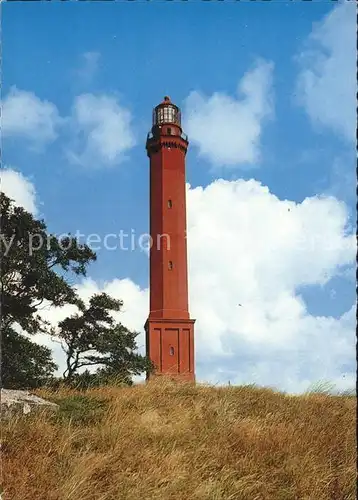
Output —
<point x="170" y="204"/>
<point x="171" y="351"/>
<point x="170" y="265"/>
<point x="169" y="131"/>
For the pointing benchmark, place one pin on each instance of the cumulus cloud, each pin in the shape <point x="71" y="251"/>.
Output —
<point x="227" y="130"/>
<point x="18" y="188"/>
<point x="248" y="247"/>
<point x="102" y="131"/>
<point x="26" y="115"/>
<point x="99" y="128"/>
<point x="327" y="79"/>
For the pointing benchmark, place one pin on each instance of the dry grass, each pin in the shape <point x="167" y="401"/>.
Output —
<point x="167" y="441"/>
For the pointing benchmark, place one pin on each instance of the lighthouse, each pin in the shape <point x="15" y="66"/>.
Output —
<point x="169" y="328"/>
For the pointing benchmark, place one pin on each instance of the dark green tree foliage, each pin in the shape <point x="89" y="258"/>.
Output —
<point x="35" y="268"/>
<point x="92" y="337"/>
<point x="24" y="364"/>
<point x="31" y="265"/>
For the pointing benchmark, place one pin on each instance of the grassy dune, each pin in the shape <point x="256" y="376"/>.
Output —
<point x="169" y="441"/>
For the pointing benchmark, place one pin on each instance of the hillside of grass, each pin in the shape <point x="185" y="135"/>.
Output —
<point x="167" y="441"/>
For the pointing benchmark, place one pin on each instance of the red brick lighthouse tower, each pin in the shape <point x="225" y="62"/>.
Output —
<point x="169" y="329"/>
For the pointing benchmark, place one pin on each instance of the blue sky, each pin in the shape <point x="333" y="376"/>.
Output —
<point x="79" y="84"/>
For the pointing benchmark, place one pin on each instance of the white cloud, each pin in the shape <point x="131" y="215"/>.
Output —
<point x="27" y="116"/>
<point x="102" y="131"/>
<point x="248" y="247"/>
<point x="327" y="79"/>
<point x="19" y="189"/>
<point x="100" y="128"/>
<point x="227" y="130"/>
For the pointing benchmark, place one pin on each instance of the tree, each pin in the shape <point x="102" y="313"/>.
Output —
<point x="24" y="363"/>
<point x="92" y="338"/>
<point x="35" y="269"/>
<point x="33" y="266"/>
<point x="31" y="263"/>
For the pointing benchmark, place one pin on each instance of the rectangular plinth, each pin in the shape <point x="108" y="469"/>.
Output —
<point x="170" y="346"/>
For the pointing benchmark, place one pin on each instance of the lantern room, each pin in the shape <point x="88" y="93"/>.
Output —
<point x="166" y="122"/>
<point x="166" y="113"/>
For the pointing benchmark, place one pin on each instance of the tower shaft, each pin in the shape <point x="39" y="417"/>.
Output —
<point x="169" y="329"/>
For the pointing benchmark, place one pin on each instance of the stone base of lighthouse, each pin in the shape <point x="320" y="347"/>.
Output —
<point x="170" y="346"/>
